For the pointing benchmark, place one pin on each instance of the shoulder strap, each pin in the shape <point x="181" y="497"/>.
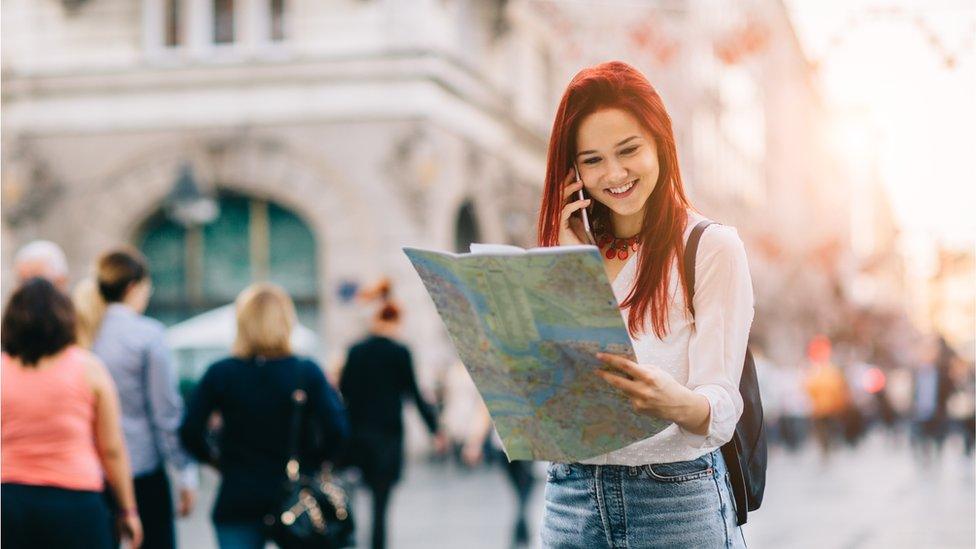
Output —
<point x="298" y="397"/>
<point x="691" y="251"/>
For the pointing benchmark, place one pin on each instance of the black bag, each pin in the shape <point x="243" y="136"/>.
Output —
<point x="745" y="454"/>
<point x="313" y="511"/>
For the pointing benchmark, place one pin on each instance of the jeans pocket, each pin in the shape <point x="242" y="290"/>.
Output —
<point x="681" y="471"/>
<point x="552" y="471"/>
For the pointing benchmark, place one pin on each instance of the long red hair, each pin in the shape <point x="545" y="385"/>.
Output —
<point x="615" y="84"/>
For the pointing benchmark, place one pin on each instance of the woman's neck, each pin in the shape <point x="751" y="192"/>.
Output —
<point x="626" y="226"/>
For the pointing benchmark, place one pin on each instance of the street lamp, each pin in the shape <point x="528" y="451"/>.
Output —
<point x="187" y="204"/>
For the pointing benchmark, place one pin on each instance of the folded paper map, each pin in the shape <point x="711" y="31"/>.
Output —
<point x="527" y="325"/>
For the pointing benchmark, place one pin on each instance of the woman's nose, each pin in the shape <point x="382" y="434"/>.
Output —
<point x="616" y="172"/>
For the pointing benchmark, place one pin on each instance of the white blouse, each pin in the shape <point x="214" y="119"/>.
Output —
<point x="707" y="359"/>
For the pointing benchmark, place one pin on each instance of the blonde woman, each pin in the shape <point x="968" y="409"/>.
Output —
<point x="251" y="390"/>
<point x="89" y="308"/>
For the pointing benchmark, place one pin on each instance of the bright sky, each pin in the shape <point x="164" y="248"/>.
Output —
<point x="898" y="100"/>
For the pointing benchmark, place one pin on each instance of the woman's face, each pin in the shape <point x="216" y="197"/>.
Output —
<point x="617" y="162"/>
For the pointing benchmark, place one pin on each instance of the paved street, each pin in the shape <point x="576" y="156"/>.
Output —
<point x="872" y="497"/>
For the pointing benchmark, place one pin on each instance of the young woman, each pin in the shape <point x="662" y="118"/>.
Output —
<point x="133" y="347"/>
<point x="669" y="490"/>
<point x="252" y="392"/>
<point x="61" y="431"/>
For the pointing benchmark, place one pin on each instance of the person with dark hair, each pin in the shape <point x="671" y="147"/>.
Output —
<point x="61" y="437"/>
<point x="377" y="376"/>
<point x="932" y="386"/>
<point x="133" y="347"/>
<point x="252" y="392"/>
<point x="613" y="158"/>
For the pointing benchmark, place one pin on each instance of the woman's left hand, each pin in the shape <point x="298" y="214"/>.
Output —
<point x="653" y="392"/>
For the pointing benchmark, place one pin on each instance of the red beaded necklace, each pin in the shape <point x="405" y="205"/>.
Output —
<point x="619" y="248"/>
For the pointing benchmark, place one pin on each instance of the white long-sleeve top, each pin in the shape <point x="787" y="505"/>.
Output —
<point x="705" y="353"/>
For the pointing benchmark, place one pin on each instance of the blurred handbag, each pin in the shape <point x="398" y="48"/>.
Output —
<point x="314" y="511"/>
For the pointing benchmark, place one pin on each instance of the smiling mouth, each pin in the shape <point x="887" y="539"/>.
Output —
<point x="622" y="190"/>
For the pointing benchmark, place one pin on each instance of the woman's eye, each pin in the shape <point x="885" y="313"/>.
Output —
<point x="592" y="160"/>
<point x="629" y="150"/>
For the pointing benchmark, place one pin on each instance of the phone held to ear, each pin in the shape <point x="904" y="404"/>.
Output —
<point x="583" y="213"/>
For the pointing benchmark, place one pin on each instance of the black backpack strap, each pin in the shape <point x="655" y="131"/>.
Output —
<point x="730" y="450"/>
<point x="691" y="252"/>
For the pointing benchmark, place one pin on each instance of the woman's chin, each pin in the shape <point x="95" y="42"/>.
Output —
<point x="624" y="210"/>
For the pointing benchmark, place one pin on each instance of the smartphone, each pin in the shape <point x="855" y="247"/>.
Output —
<point x="583" y="213"/>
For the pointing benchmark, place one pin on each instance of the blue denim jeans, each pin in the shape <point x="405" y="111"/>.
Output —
<point x="240" y="535"/>
<point x="681" y="504"/>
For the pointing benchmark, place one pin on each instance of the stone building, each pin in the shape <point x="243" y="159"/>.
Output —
<point x="330" y="134"/>
<point x="299" y="141"/>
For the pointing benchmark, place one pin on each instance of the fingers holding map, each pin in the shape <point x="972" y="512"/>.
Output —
<point x="527" y="324"/>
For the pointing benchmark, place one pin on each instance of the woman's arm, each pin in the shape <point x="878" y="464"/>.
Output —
<point x="110" y="446"/>
<point x="410" y="386"/>
<point x="166" y="411"/>
<point x="193" y="431"/>
<point x="330" y="415"/>
<point x="717" y="350"/>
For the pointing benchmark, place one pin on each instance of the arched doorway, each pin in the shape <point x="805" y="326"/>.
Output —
<point x="198" y="271"/>
<point x="200" y="268"/>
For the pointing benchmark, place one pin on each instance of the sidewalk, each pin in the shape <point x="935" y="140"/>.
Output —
<point x="872" y="497"/>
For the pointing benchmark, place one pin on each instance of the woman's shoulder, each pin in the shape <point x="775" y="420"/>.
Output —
<point x="225" y="365"/>
<point x="718" y="240"/>
<point x="308" y="365"/>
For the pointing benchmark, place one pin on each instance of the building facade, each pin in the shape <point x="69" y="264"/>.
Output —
<point x="326" y="134"/>
<point x="330" y="134"/>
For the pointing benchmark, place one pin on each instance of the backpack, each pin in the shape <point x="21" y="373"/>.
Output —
<point x="745" y="454"/>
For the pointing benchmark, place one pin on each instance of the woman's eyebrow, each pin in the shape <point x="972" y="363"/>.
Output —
<point x="624" y="142"/>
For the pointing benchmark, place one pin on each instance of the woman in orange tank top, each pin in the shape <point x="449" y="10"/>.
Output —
<point x="60" y="431"/>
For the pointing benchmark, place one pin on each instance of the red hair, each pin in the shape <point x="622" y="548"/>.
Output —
<point x="618" y="85"/>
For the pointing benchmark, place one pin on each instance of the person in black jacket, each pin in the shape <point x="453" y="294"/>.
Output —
<point x="377" y="375"/>
<point x="252" y="393"/>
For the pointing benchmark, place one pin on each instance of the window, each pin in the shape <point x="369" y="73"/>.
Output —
<point x="174" y="30"/>
<point x="466" y="229"/>
<point x="277" y="20"/>
<point x="223" y="20"/>
<point x="201" y="268"/>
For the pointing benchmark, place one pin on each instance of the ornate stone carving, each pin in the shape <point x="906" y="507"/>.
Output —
<point x="29" y="187"/>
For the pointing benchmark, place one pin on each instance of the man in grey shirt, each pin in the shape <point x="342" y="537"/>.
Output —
<point x="134" y="349"/>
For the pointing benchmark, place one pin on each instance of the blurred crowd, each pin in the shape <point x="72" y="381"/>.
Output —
<point x="842" y="391"/>
<point x="95" y="432"/>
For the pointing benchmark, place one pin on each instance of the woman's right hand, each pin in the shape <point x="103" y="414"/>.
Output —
<point x="571" y="231"/>
<point x="131" y="529"/>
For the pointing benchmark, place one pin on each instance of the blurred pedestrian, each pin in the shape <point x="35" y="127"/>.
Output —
<point x="251" y="392"/>
<point x="61" y="433"/>
<point x="829" y="396"/>
<point x="931" y="390"/>
<point x="133" y="347"/>
<point x="377" y="375"/>
<point x="461" y="410"/>
<point x="519" y="472"/>
<point x="42" y="258"/>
